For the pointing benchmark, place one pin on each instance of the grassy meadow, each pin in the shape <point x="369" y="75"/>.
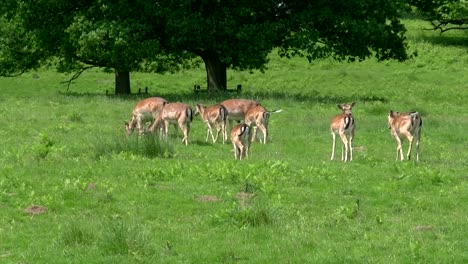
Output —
<point x="101" y="197"/>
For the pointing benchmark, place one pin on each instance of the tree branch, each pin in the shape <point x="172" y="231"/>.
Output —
<point x="76" y="75"/>
<point x="17" y="74"/>
<point x="440" y="26"/>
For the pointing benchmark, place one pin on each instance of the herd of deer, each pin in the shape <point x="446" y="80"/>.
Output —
<point x="252" y="116"/>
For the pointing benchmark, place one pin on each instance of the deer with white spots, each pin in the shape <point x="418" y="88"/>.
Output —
<point x="214" y="115"/>
<point x="178" y="114"/>
<point x="258" y="117"/>
<point x="237" y="108"/>
<point x="343" y="125"/>
<point x="145" y="110"/>
<point x="408" y="125"/>
<point x="241" y="138"/>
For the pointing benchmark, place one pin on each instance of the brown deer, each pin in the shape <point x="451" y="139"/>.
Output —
<point x="258" y="117"/>
<point x="145" y="110"/>
<point x="237" y="108"/>
<point x="214" y="115"/>
<point x="408" y="125"/>
<point x="241" y="138"/>
<point x="343" y="125"/>
<point x="175" y="113"/>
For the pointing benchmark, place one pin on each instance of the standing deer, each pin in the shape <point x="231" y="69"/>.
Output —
<point x="240" y="138"/>
<point x="343" y="125"/>
<point x="237" y="108"/>
<point x="214" y="115"/>
<point x="175" y="113"/>
<point x="258" y="117"/>
<point x="145" y="110"/>
<point x="407" y="125"/>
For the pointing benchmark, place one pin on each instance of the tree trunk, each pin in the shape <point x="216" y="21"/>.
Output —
<point x="122" y="82"/>
<point x="215" y="71"/>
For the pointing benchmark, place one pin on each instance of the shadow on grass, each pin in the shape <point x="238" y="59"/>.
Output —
<point x="446" y="40"/>
<point x="311" y="96"/>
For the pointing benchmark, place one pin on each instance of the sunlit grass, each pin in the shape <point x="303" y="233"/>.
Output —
<point x="113" y="198"/>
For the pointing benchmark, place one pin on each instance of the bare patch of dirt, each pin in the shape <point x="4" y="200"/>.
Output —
<point x="35" y="209"/>
<point x="208" y="198"/>
<point x="244" y="197"/>
<point x="360" y="149"/>
<point x="423" y="228"/>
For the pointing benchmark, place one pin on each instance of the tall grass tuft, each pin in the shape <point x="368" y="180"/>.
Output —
<point x="76" y="234"/>
<point x="255" y="212"/>
<point x="121" y="239"/>
<point x="147" y="145"/>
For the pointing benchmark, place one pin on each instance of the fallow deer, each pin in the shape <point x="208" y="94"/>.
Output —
<point x="240" y="138"/>
<point x="175" y="113"/>
<point x="145" y="110"/>
<point x="214" y="115"/>
<point x="237" y="108"/>
<point x="258" y="117"/>
<point x="408" y="125"/>
<point x="343" y="125"/>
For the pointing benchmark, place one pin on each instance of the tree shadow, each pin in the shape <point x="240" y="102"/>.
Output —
<point x="445" y="39"/>
<point x="311" y="96"/>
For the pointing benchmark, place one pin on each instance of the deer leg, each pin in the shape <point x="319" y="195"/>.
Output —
<point x="344" y="153"/>
<point x="218" y="128"/>
<point x="417" y="147"/>
<point x="166" y="128"/>
<point x="254" y="133"/>
<point x="241" y="151"/>
<point x="399" y="148"/>
<point x="410" y="139"/>
<point x="208" y="131"/>
<point x="333" y="145"/>
<point x="139" y="121"/>
<point x="185" y="127"/>
<point x="264" y="132"/>
<point x="351" y="137"/>
<point x="224" y="131"/>
<point x="235" y="150"/>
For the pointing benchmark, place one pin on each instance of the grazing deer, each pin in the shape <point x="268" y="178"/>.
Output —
<point x="214" y="115"/>
<point x="237" y="108"/>
<point x="343" y="125"/>
<point x="258" y="117"/>
<point x="145" y="110"/>
<point x="408" y="125"/>
<point x="240" y="138"/>
<point x="175" y="113"/>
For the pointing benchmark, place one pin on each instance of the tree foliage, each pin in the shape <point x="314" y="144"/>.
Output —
<point x="147" y="35"/>
<point x="443" y="14"/>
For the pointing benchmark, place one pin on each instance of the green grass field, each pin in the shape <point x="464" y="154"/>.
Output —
<point x="112" y="199"/>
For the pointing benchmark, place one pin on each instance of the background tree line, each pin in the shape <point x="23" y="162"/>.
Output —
<point x="160" y="36"/>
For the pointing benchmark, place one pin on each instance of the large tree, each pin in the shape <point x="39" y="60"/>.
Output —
<point x="229" y="34"/>
<point x="444" y="15"/>
<point x="77" y="35"/>
<point x="240" y="34"/>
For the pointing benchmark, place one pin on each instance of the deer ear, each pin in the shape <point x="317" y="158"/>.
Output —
<point x="352" y="104"/>
<point x="340" y="106"/>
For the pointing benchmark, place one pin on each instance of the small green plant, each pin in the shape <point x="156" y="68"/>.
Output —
<point x="147" y="145"/>
<point x="42" y="147"/>
<point x="75" y="117"/>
